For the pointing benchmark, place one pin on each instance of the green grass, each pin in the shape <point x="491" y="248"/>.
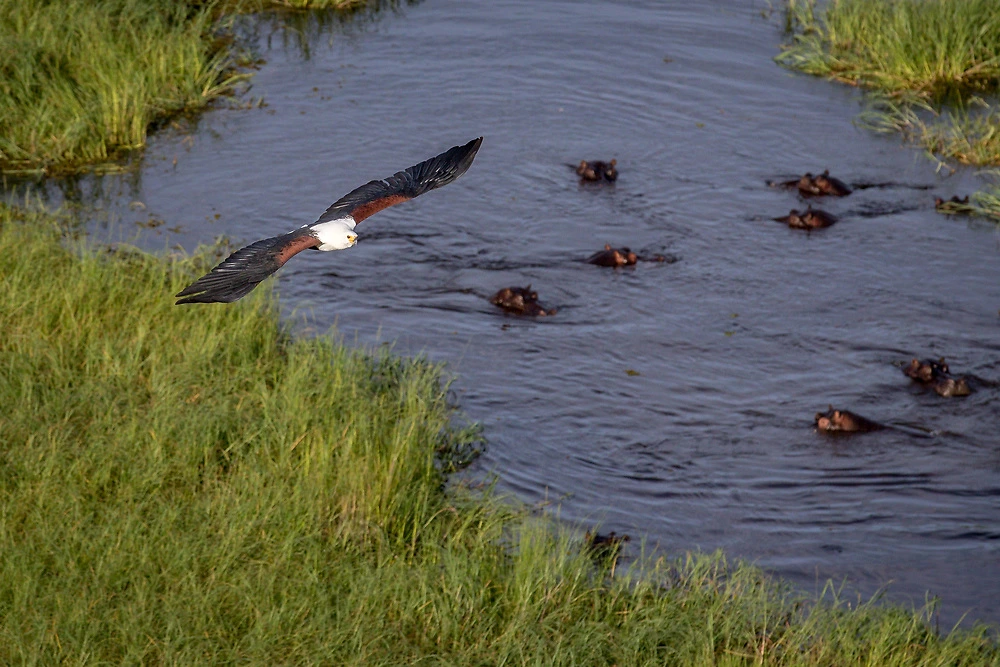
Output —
<point x="83" y="82"/>
<point x="192" y="485"/>
<point x="985" y="203"/>
<point x="936" y="49"/>
<point x="965" y="135"/>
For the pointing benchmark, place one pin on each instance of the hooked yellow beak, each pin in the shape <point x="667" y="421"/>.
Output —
<point x="352" y="238"/>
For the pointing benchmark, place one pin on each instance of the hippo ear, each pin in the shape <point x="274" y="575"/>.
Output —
<point x="607" y="246"/>
<point x="613" y="162"/>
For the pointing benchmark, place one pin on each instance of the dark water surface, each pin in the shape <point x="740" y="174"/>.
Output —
<point x="737" y="344"/>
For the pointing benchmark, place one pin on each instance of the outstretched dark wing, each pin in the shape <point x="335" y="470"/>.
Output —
<point x="243" y="270"/>
<point x="239" y="273"/>
<point x="374" y="196"/>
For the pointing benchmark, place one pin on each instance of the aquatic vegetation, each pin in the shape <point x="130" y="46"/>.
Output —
<point x="987" y="202"/>
<point x="964" y="135"/>
<point x="197" y="486"/>
<point x="968" y="134"/>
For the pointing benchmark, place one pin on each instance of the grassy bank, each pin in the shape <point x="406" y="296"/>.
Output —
<point x="930" y="65"/>
<point x="937" y="49"/>
<point x="82" y="82"/>
<point x="194" y="486"/>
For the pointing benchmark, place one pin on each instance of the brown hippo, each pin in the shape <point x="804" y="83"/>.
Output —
<point x="936" y="375"/>
<point x="613" y="257"/>
<point x="927" y="370"/>
<point x="604" y="545"/>
<point x="842" y="421"/>
<point x="808" y="219"/>
<point x="520" y="301"/>
<point x="620" y="257"/>
<point x="597" y="170"/>
<point x="806" y="185"/>
<point x="949" y="387"/>
<point x="953" y="205"/>
<point x="818" y="186"/>
<point x="828" y="185"/>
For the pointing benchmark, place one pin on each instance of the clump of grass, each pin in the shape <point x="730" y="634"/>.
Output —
<point x="985" y="203"/>
<point x="83" y="82"/>
<point x="936" y="49"/>
<point x="966" y="135"/>
<point x="191" y="485"/>
<point x="969" y="138"/>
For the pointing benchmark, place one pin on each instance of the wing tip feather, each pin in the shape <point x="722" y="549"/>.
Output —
<point x="238" y="275"/>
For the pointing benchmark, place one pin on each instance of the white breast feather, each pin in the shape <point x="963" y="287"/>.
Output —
<point x="335" y="234"/>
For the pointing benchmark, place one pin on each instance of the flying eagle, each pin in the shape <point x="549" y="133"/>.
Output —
<point x="235" y="277"/>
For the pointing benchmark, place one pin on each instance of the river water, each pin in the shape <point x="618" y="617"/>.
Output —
<point x="671" y="401"/>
